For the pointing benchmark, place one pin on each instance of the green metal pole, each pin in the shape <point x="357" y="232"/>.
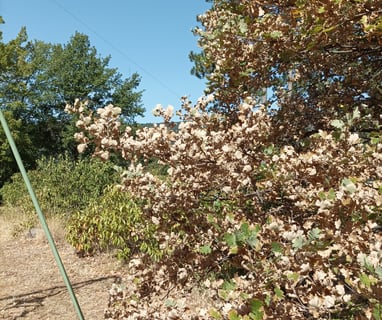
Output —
<point x="40" y="215"/>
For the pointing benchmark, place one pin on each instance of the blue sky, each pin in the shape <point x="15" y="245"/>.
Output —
<point x="150" y="37"/>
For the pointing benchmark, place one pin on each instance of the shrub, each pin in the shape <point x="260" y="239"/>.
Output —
<point x="113" y="222"/>
<point x="61" y="184"/>
<point x="287" y="215"/>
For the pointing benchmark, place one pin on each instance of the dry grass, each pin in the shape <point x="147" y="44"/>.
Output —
<point x="14" y="223"/>
<point x="31" y="286"/>
<point x="10" y="218"/>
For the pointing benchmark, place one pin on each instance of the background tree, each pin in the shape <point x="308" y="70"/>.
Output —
<point x="37" y="80"/>
<point x="13" y="73"/>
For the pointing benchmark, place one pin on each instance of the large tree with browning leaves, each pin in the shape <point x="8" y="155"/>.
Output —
<point x="317" y="59"/>
<point x="282" y="196"/>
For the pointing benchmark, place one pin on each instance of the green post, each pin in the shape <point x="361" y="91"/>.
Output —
<point x="40" y="215"/>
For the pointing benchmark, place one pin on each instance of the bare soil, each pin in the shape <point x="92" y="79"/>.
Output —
<point x="31" y="286"/>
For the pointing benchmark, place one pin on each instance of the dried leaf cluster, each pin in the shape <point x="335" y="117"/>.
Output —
<point x="317" y="210"/>
<point x="271" y="207"/>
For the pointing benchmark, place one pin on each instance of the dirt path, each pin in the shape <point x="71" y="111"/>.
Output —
<point x="31" y="286"/>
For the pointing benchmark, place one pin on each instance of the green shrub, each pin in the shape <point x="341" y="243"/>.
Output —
<point x="113" y="222"/>
<point x="61" y="184"/>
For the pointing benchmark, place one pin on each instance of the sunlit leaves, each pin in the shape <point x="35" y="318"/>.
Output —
<point x="316" y="56"/>
<point x="286" y="193"/>
<point x="326" y="182"/>
<point x="367" y="280"/>
<point x="257" y="312"/>
<point x="378" y="271"/>
<point x="275" y="34"/>
<point x="314" y="234"/>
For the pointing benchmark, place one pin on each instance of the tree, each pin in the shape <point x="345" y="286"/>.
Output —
<point x="13" y="73"/>
<point x="286" y="195"/>
<point x="320" y="59"/>
<point x="8" y="164"/>
<point x="37" y="80"/>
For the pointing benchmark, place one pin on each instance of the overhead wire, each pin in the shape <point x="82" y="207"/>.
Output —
<point x="115" y="48"/>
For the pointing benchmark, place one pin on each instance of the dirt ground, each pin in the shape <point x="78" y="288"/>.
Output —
<point x="31" y="286"/>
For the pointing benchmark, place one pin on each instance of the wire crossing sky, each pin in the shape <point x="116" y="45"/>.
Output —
<point x="150" y="37"/>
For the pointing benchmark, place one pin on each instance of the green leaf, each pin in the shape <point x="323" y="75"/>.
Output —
<point x="252" y="241"/>
<point x="356" y="114"/>
<point x="349" y="185"/>
<point x="268" y="300"/>
<point x="276" y="247"/>
<point x="293" y="276"/>
<point x="378" y="271"/>
<point x="256" y="309"/>
<point x="317" y="29"/>
<point x="247" y="72"/>
<point x="206" y="249"/>
<point x="322" y="195"/>
<point x="244" y="229"/>
<point x="243" y="27"/>
<point x="230" y="239"/>
<point x="365" y="280"/>
<point x="256" y="305"/>
<point x="279" y="293"/>
<point x="332" y="194"/>
<point x="223" y="294"/>
<point x="276" y="34"/>
<point x="338" y="124"/>
<point x="377" y="311"/>
<point x="269" y="150"/>
<point x="234" y="250"/>
<point x="364" y="21"/>
<point x="314" y="234"/>
<point x="298" y="242"/>
<point x="215" y="314"/>
<point x="228" y="285"/>
<point x="233" y="315"/>
<point x="169" y="303"/>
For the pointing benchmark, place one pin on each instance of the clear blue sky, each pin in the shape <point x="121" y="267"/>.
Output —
<point x="150" y="37"/>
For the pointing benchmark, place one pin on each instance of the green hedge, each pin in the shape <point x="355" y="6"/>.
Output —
<point x="61" y="185"/>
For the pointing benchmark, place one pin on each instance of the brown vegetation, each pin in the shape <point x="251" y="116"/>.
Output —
<point x="273" y="202"/>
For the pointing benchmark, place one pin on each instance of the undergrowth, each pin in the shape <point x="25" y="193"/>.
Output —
<point x="61" y="185"/>
<point x="113" y="222"/>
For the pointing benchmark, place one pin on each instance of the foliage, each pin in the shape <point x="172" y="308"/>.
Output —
<point x="113" y="222"/>
<point x="38" y="78"/>
<point x="311" y="56"/>
<point x="61" y="185"/>
<point x="11" y="55"/>
<point x="8" y="164"/>
<point x="274" y="207"/>
<point x="332" y="185"/>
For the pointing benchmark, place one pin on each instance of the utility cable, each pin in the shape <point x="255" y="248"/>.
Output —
<point x="122" y="53"/>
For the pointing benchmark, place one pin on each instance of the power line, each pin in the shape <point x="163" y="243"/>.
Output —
<point x="115" y="48"/>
